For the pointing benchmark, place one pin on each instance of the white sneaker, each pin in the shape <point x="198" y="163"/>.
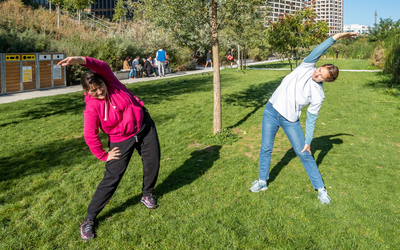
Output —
<point x="323" y="196"/>
<point x="257" y="187"/>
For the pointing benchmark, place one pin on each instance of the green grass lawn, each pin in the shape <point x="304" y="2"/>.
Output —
<point x="341" y="63"/>
<point x="48" y="174"/>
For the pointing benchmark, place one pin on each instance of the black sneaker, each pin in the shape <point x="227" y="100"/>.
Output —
<point x="149" y="201"/>
<point x="87" y="230"/>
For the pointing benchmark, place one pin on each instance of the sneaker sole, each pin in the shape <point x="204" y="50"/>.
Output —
<point x="86" y="239"/>
<point x="149" y="207"/>
<point x="262" y="189"/>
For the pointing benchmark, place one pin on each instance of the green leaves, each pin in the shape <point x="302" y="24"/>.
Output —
<point x="291" y="34"/>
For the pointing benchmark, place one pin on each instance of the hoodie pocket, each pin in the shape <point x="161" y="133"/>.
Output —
<point x="131" y="121"/>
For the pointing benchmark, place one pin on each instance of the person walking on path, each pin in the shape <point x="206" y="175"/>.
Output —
<point x="337" y="54"/>
<point x="208" y="60"/>
<point x="232" y="57"/>
<point x="301" y="87"/>
<point x="161" y="61"/>
<point x="111" y="107"/>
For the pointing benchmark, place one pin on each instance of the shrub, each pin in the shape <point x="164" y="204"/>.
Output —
<point x="378" y="57"/>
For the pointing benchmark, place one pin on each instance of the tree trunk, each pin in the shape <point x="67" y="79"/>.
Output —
<point x="238" y="64"/>
<point x="241" y="60"/>
<point x="217" y="80"/>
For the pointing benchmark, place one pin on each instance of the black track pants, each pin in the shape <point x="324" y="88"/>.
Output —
<point x="147" y="144"/>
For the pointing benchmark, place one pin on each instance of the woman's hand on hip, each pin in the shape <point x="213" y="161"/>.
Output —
<point x="308" y="148"/>
<point x="73" y="60"/>
<point x="112" y="155"/>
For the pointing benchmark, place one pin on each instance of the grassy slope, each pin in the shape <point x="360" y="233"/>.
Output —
<point x="49" y="175"/>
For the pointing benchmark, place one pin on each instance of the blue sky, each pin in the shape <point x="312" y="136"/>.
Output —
<point x="363" y="11"/>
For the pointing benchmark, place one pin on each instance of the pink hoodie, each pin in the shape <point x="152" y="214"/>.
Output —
<point x="120" y="115"/>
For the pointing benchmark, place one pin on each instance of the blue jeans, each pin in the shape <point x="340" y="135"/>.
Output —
<point x="132" y="72"/>
<point x="271" y="122"/>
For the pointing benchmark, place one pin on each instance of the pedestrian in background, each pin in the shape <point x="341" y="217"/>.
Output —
<point x="232" y="57"/>
<point x="208" y="60"/>
<point x="161" y="61"/>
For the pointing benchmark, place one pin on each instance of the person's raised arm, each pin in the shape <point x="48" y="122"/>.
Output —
<point x="73" y="60"/>
<point x="314" y="56"/>
<point x="344" y="35"/>
<point x="98" y="66"/>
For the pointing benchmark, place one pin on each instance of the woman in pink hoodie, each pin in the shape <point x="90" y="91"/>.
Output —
<point x="111" y="107"/>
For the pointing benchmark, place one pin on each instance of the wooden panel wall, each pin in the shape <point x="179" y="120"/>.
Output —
<point x="32" y="84"/>
<point x="45" y="74"/>
<point x="13" y="77"/>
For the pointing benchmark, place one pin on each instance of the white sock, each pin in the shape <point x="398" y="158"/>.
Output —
<point x="321" y="190"/>
<point x="262" y="182"/>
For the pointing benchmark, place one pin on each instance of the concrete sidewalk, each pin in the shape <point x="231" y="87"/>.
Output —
<point x="13" y="97"/>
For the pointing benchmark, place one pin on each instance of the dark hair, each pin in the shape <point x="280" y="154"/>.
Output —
<point x="89" y="79"/>
<point x="333" y="72"/>
<point x="128" y="58"/>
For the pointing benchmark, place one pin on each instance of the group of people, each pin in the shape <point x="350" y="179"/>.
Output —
<point x="151" y="66"/>
<point x="111" y="107"/>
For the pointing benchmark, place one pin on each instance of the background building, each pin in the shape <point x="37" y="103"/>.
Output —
<point x="330" y="11"/>
<point x="360" y="29"/>
<point x="102" y="8"/>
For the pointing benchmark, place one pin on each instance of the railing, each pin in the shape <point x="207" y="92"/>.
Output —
<point x="91" y="20"/>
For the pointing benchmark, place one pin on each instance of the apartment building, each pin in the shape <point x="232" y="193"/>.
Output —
<point x="330" y="11"/>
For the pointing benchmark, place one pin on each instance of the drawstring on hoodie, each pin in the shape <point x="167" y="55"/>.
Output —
<point x="105" y="107"/>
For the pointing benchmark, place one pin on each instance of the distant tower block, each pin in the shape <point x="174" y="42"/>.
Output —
<point x="376" y="15"/>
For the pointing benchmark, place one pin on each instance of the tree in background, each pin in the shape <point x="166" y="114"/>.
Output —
<point x="291" y="35"/>
<point x="382" y="30"/>
<point x="119" y="11"/>
<point x="80" y="5"/>
<point x="192" y="20"/>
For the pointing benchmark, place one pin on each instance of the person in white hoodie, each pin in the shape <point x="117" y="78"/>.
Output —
<point x="301" y="87"/>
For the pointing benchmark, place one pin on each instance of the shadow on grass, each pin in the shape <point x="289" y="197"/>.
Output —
<point x="192" y="169"/>
<point x="323" y="143"/>
<point x="274" y="65"/>
<point x="385" y="82"/>
<point x="162" y="90"/>
<point x="44" y="158"/>
<point x="256" y="96"/>
<point x="51" y="106"/>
